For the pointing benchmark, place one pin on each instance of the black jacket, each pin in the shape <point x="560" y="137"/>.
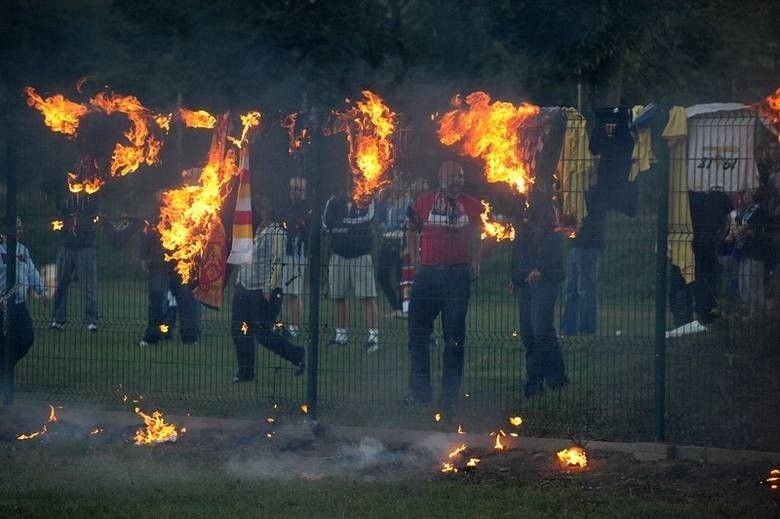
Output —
<point x="537" y="245"/>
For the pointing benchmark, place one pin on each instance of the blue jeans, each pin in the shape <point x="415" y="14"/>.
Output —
<point x="81" y="263"/>
<point x="446" y="290"/>
<point x="581" y="303"/>
<point x="544" y="361"/>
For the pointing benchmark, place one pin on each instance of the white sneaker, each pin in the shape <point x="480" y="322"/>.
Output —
<point x="686" y="329"/>
<point x="91" y="327"/>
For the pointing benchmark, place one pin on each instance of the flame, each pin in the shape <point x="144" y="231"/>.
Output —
<point x="498" y="445"/>
<point x="32" y="435"/>
<point x="57" y="225"/>
<point x="457" y="451"/>
<point x="298" y="137"/>
<point x="495" y="229"/>
<point x="188" y="213"/>
<point x="369" y="126"/>
<point x="157" y="431"/>
<point x="164" y="328"/>
<point x="144" y="145"/>
<point x="772" y="108"/>
<point x="96" y="430"/>
<point x="490" y="132"/>
<point x="448" y="467"/>
<point x="437" y="417"/>
<point x="59" y="114"/>
<point x="515" y="420"/>
<point x="244" y="327"/>
<point x="270" y="419"/>
<point x="460" y="429"/>
<point x="304" y="408"/>
<point x="52" y="414"/>
<point x="573" y="457"/>
<point x="249" y="120"/>
<point x="472" y="462"/>
<point x="774" y="479"/>
<point x="88" y="186"/>
<point x="197" y="119"/>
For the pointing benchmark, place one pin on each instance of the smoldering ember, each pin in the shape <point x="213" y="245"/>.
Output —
<point x="359" y="259"/>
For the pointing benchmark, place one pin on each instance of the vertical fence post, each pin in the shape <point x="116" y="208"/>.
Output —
<point x="313" y="170"/>
<point x="661" y="269"/>
<point x="10" y="244"/>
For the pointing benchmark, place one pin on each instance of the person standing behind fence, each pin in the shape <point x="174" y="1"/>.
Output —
<point x="749" y="251"/>
<point x="537" y="271"/>
<point x="76" y="258"/>
<point x="296" y="220"/>
<point x="256" y="302"/>
<point x="163" y="279"/>
<point x="350" y="264"/>
<point x="446" y="257"/>
<point x="17" y="326"/>
<point x="580" y="315"/>
<point x="392" y="215"/>
<point x="772" y="212"/>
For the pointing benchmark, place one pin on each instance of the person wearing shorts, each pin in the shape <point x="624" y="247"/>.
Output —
<point x="350" y="265"/>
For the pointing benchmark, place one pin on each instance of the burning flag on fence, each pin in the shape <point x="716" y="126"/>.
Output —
<point x="369" y="126"/>
<point x="241" y="250"/>
<point x="491" y="132"/>
<point x="190" y="227"/>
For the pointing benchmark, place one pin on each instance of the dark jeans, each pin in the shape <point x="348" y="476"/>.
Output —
<point x="680" y="298"/>
<point x="581" y="305"/>
<point x="161" y="278"/>
<point x="19" y="333"/>
<point x="445" y="290"/>
<point x="705" y="288"/>
<point x="82" y="263"/>
<point x="388" y="272"/>
<point x="251" y="309"/>
<point x="544" y="361"/>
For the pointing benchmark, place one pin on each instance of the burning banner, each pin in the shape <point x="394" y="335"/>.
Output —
<point x="369" y="126"/>
<point x="771" y="109"/>
<point x="144" y="145"/>
<point x="298" y="134"/>
<point x="59" y="114"/>
<point x="490" y="132"/>
<point x="189" y="218"/>
<point x="68" y="117"/>
<point x="495" y="229"/>
<point x="197" y="118"/>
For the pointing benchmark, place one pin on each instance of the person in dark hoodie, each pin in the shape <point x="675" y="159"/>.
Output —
<point x="537" y="271"/>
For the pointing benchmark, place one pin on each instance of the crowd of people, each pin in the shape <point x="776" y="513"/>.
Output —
<point x="429" y="253"/>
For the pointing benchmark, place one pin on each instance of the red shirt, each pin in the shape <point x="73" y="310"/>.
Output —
<point x="446" y="226"/>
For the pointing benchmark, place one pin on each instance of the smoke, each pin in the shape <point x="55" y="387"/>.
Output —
<point x="368" y="459"/>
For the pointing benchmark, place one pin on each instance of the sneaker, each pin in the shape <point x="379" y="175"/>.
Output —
<point x="335" y="343"/>
<point x="372" y="346"/>
<point x="91" y="327"/>
<point x="56" y="326"/>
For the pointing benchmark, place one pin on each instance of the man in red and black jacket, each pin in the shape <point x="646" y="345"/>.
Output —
<point x="446" y="257"/>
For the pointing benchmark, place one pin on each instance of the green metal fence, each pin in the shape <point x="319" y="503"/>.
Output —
<point x="628" y="380"/>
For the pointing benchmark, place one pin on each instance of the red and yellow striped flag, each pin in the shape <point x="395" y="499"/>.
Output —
<point x="241" y="251"/>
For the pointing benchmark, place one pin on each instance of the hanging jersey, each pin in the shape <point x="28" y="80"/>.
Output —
<point x="720" y="148"/>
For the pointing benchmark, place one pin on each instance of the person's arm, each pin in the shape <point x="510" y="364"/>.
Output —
<point x="412" y="235"/>
<point x="276" y="249"/>
<point x="34" y="280"/>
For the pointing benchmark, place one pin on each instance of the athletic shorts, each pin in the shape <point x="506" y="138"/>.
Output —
<point x="358" y="272"/>
<point x="293" y="273"/>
